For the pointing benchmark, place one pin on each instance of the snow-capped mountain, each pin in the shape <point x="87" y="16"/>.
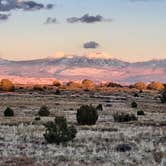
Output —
<point x="80" y="67"/>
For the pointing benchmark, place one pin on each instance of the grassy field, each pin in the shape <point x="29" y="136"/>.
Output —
<point x="22" y="142"/>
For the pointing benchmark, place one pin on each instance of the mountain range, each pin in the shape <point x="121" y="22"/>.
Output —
<point x="76" y="68"/>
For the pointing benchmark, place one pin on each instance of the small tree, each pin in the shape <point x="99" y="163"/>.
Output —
<point x="59" y="132"/>
<point x="8" y="112"/>
<point x="87" y="115"/>
<point x="44" y="111"/>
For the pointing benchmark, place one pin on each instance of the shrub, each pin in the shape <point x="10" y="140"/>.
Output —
<point x="140" y="112"/>
<point x="8" y="112"/>
<point x="59" y="132"/>
<point x="56" y="83"/>
<point x="38" y="87"/>
<point x="37" y="118"/>
<point x="114" y="85"/>
<point x="156" y="86"/>
<point x="123" y="148"/>
<point x="140" y="85"/>
<point x="134" y="104"/>
<point x="44" y="111"/>
<point x="124" y="117"/>
<point x="99" y="107"/>
<point x="163" y="97"/>
<point x="73" y="84"/>
<point x="58" y="92"/>
<point x="136" y="95"/>
<point x="88" y="84"/>
<point x="87" y="115"/>
<point x="7" y="85"/>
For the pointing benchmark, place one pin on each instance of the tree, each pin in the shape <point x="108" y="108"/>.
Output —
<point x="59" y="132"/>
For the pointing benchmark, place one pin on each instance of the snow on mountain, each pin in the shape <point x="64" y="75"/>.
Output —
<point x="71" y="67"/>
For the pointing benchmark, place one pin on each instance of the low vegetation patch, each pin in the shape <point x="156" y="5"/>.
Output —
<point x="124" y="117"/>
<point x="57" y="92"/>
<point x="38" y="88"/>
<point x="87" y="115"/>
<point x="140" y="112"/>
<point x="58" y="131"/>
<point x="8" y="112"/>
<point x="134" y="104"/>
<point x="123" y="148"/>
<point x="37" y="118"/>
<point x="99" y="107"/>
<point x="163" y="97"/>
<point x="44" y="111"/>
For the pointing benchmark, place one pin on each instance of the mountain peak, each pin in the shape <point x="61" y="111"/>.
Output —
<point x="90" y="55"/>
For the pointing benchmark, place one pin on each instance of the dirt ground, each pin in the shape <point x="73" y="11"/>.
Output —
<point x="22" y="142"/>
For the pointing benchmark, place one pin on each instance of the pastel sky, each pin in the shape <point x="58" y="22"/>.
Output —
<point x="131" y="30"/>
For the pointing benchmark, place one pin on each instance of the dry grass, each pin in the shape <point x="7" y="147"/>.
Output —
<point x="22" y="142"/>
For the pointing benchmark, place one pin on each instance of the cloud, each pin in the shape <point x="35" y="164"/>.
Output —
<point x="50" y="20"/>
<point x="30" y="5"/>
<point x="49" y="6"/>
<point x="4" y="17"/>
<point x="91" y="45"/>
<point x="87" y="19"/>
<point x="8" y="5"/>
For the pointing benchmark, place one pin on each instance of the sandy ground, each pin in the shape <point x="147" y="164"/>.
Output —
<point x="22" y="142"/>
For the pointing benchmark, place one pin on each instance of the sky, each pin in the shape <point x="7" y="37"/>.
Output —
<point x="130" y="30"/>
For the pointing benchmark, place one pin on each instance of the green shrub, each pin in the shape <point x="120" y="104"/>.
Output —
<point x="8" y="112"/>
<point x="123" y="147"/>
<point x="58" y="92"/>
<point x="163" y="97"/>
<point x="124" y="117"/>
<point x="140" y="112"/>
<point x="87" y="115"/>
<point x="37" y="118"/>
<point x="44" y="111"/>
<point x="136" y="95"/>
<point x="99" y="107"/>
<point x="134" y="104"/>
<point x="58" y="131"/>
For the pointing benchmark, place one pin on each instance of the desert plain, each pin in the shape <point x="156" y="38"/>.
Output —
<point x="22" y="142"/>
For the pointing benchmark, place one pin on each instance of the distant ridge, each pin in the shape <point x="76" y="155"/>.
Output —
<point x="80" y="67"/>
